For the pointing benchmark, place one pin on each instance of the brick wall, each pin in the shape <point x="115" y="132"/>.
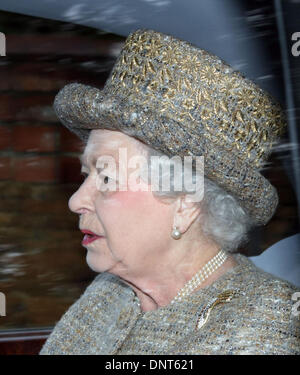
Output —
<point x="42" y="264"/>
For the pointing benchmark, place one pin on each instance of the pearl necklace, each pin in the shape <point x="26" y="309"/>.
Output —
<point x="209" y="268"/>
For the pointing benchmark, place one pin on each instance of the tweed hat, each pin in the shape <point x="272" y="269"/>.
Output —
<point x="182" y="100"/>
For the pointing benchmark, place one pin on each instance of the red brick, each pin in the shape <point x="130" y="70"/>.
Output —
<point x="69" y="170"/>
<point x="31" y="76"/>
<point x="5" y="137"/>
<point x="27" y="107"/>
<point x="35" y="83"/>
<point x="5" y="168"/>
<point x="35" y="169"/>
<point x="34" y="138"/>
<point x="62" y="45"/>
<point x="69" y="142"/>
<point x="5" y="77"/>
<point x="48" y="76"/>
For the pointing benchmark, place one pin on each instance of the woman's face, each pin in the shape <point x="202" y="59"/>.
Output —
<point x="135" y="226"/>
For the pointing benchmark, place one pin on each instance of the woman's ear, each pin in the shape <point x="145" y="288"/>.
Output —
<point x="185" y="214"/>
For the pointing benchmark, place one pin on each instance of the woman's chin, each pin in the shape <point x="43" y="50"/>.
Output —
<point x="95" y="264"/>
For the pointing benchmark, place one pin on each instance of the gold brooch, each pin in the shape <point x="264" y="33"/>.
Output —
<point x="223" y="297"/>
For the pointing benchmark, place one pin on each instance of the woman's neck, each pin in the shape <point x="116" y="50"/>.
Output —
<point x="158" y="292"/>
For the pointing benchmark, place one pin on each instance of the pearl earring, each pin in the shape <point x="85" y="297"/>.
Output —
<point x="176" y="234"/>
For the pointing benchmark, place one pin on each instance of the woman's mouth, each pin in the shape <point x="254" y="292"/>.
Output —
<point x="89" y="237"/>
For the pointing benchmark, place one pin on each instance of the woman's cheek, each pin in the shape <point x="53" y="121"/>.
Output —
<point x="122" y="204"/>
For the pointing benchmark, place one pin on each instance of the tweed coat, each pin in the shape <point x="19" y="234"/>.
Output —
<point x="258" y="317"/>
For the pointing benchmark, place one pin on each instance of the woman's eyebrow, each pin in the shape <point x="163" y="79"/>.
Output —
<point x="83" y="159"/>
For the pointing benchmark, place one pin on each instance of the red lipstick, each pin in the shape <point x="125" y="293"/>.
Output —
<point x="89" y="237"/>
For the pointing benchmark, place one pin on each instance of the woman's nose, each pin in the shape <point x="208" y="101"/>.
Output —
<point x="82" y="200"/>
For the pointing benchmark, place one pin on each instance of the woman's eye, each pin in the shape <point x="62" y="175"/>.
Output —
<point x="105" y="179"/>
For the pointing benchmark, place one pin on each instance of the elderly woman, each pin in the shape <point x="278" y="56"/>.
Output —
<point x="170" y="279"/>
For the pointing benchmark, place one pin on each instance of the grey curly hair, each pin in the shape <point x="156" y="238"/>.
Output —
<point x="222" y="218"/>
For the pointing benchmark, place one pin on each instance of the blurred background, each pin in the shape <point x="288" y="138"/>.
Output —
<point x="42" y="263"/>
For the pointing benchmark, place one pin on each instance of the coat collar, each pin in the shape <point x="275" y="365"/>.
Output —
<point x="109" y="312"/>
